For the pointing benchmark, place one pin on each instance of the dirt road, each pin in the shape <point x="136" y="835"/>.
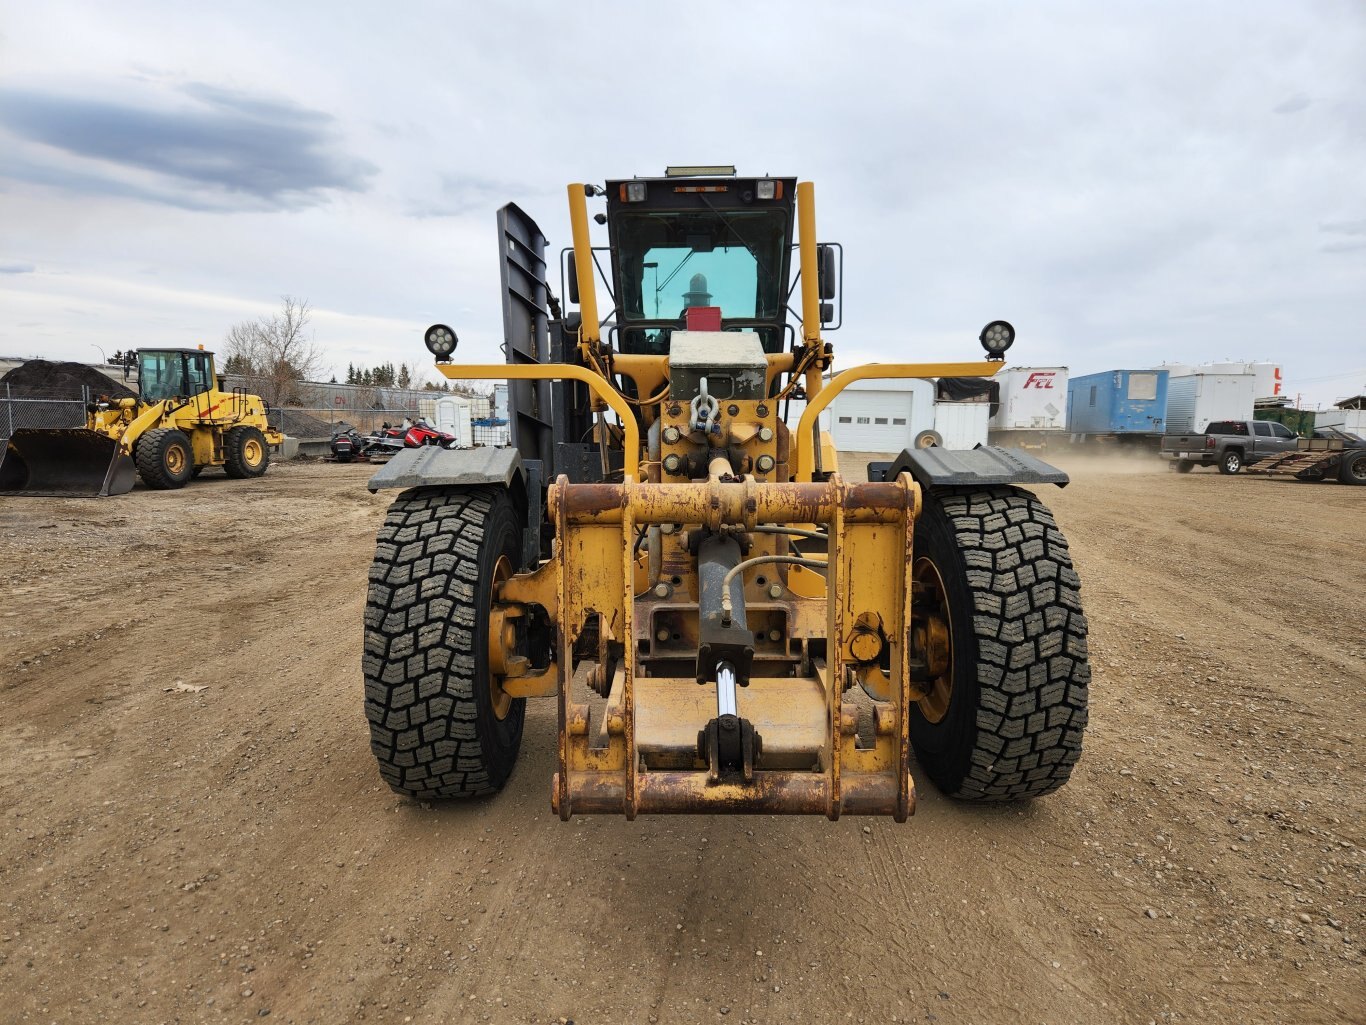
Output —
<point x="229" y="853"/>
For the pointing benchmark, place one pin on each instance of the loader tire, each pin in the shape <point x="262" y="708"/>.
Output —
<point x="437" y="727"/>
<point x="245" y="453"/>
<point x="164" y="459"/>
<point x="1004" y="720"/>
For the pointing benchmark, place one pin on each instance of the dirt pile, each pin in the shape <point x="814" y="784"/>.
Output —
<point x="298" y="424"/>
<point x="43" y="379"/>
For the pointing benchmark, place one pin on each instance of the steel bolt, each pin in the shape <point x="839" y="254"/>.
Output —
<point x="733" y="409"/>
<point x="761" y="410"/>
<point x="765" y="433"/>
<point x="667" y="528"/>
<point x="775" y="634"/>
<point x="775" y="590"/>
<point x="662" y="590"/>
<point x="662" y="634"/>
<point x="764" y="464"/>
<point x="673" y="463"/>
<point x="671" y="435"/>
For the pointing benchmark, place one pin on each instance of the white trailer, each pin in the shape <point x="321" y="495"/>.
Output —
<point x="1033" y="409"/>
<point x="1032" y="399"/>
<point x="1353" y="421"/>
<point x="1196" y="399"/>
<point x="961" y="425"/>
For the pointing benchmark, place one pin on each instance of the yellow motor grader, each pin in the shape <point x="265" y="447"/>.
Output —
<point x="180" y="423"/>
<point x="726" y="622"/>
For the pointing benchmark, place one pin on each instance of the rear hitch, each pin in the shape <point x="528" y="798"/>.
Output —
<point x="728" y="744"/>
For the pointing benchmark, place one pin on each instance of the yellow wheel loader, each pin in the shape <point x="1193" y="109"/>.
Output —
<point x="725" y="621"/>
<point x="180" y="423"/>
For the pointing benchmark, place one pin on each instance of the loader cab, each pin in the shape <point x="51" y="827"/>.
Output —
<point x="174" y="373"/>
<point x="696" y="238"/>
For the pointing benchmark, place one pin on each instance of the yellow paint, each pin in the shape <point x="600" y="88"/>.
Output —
<point x="583" y="265"/>
<point x="806" y="249"/>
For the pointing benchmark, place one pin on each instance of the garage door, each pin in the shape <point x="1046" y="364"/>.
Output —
<point x="871" y="421"/>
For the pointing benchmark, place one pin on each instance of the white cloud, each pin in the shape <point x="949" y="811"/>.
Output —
<point x="1128" y="183"/>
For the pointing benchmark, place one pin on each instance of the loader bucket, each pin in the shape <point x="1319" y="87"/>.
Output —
<point x="64" y="463"/>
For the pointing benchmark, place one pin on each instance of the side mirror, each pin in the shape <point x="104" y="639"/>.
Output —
<point x="827" y="313"/>
<point x="827" y="273"/>
<point x="573" y="280"/>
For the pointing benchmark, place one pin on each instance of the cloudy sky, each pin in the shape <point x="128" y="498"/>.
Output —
<point x="1128" y="183"/>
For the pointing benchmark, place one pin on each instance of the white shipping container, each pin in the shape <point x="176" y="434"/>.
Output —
<point x="1353" y="421"/>
<point x="1195" y="400"/>
<point x="1032" y="399"/>
<point x="962" y="425"/>
<point x="1269" y="384"/>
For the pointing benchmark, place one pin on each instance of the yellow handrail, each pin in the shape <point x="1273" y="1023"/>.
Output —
<point x="583" y="265"/>
<point x="806" y="439"/>
<point x="597" y="384"/>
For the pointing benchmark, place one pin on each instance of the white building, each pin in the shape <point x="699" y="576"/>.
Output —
<point x="889" y="415"/>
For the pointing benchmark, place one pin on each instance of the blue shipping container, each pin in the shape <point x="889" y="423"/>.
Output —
<point x="1118" y="402"/>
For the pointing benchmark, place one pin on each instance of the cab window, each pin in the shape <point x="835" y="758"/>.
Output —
<point x="160" y="375"/>
<point x="197" y="370"/>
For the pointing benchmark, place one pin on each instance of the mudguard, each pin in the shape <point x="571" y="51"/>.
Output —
<point x="432" y="466"/>
<point x="937" y="467"/>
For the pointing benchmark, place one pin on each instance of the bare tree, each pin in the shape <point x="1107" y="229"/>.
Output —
<point x="274" y="353"/>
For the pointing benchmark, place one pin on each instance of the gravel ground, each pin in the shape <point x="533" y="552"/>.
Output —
<point x="177" y="854"/>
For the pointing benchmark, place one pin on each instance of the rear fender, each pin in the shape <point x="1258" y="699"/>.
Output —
<point x="434" y="467"/>
<point x="981" y="466"/>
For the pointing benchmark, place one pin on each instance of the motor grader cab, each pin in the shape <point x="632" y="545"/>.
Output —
<point x="180" y="423"/>
<point x="726" y="622"/>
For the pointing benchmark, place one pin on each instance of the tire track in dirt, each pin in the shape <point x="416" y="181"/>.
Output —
<point x="239" y="839"/>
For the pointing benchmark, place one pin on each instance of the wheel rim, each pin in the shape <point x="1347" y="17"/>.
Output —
<point x="1358" y="468"/>
<point x="1233" y="462"/>
<point x="175" y="460"/>
<point x="251" y="452"/>
<point x="502" y="636"/>
<point x="932" y="638"/>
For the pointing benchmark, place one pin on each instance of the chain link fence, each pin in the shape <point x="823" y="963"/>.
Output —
<point x="318" y="423"/>
<point x="354" y="406"/>
<point x="40" y="410"/>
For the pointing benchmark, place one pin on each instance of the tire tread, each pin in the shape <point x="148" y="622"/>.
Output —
<point x="1031" y="634"/>
<point x="420" y="622"/>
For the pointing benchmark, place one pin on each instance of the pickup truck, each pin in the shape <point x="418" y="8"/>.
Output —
<point x="1228" y="444"/>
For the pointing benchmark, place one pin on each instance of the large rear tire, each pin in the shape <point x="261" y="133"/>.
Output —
<point x="245" y="453"/>
<point x="164" y="459"/>
<point x="1184" y="466"/>
<point x="1352" y="468"/>
<point x="1231" y="462"/>
<point x="439" y="725"/>
<point x="999" y="624"/>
